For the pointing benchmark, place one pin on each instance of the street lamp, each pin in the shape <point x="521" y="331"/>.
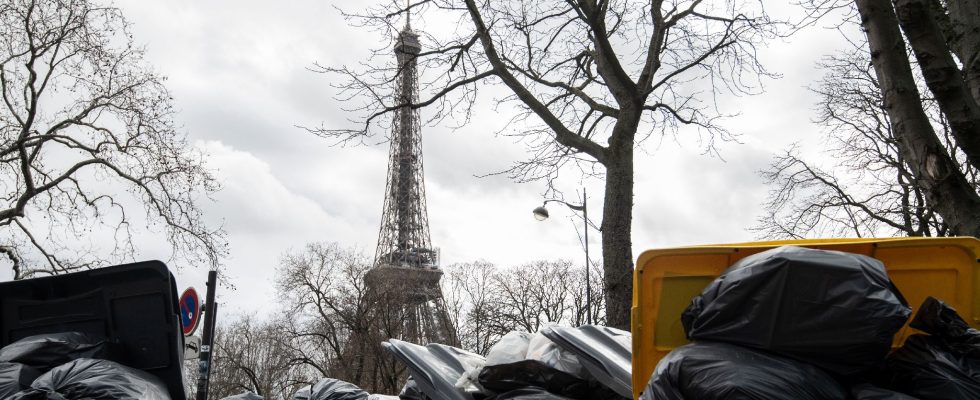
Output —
<point x="541" y="214"/>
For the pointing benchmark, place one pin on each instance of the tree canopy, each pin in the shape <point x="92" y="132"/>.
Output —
<point x="89" y="151"/>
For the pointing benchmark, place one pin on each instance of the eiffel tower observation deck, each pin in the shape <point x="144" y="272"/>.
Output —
<point x="406" y="269"/>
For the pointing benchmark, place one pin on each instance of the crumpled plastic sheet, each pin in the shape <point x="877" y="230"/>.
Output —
<point x="512" y="347"/>
<point x="335" y="389"/>
<point x="95" y="379"/>
<point x="942" y="365"/>
<point x="411" y="391"/>
<point x="721" y="371"/>
<point x="50" y="350"/>
<point x="926" y="368"/>
<point x="939" y="319"/>
<point x="303" y="393"/>
<point x="15" y="377"/>
<point x="435" y="367"/>
<point x="543" y="349"/>
<point x="836" y="310"/>
<point x="606" y="353"/>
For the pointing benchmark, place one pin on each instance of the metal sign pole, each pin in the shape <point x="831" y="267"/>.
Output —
<point x="588" y="265"/>
<point x="210" y="309"/>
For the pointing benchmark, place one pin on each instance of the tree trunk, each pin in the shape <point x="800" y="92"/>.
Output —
<point x="617" y="244"/>
<point x="946" y="189"/>
<point x="942" y="74"/>
<point x="964" y="38"/>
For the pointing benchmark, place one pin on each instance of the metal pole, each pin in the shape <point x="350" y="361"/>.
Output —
<point x="207" y="341"/>
<point x="588" y="278"/>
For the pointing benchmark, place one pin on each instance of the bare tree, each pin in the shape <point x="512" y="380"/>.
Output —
<point x="868" y="189"/>
<point x="590" y="80"/>
<point x="83" y="119"/>
<point x="904" y="139"/>
<point x="945" y="186"/>
<point x="470" y="291"/>
<point x="336" y="323"/>
<point x="493" y="301"/>
<point x="533" y="295"/>
<point x="251" y="356"/>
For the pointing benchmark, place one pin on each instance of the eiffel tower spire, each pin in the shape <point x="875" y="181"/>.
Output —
<point x="405" y="277"/>
<point x="404" y="238"/>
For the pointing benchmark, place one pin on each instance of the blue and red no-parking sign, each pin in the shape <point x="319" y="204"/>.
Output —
<point x="190" y="310"/>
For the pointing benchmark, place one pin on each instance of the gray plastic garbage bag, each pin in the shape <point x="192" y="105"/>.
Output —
<point x="303" y="393"/>
<point x="606" y="353"/>
<point x="411" y="391"/>
<point x="335" y="389"/>
<point x="435" y="367"/>
<point x="721" y="371"/>
<point x="15" y="377"/>
<point x="836" y="310"/>
<point x="91" y="379"/>
<point x="244" y="396"/>
<point x="53" y="349"/>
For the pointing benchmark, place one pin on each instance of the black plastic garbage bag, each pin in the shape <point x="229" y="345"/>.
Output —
<point x="529" y="393"/>
<point x="92" y="379"/>
<point x="53" y="349"/>
<point x="832" y="309"/>
<point x="518" y="375"/>
<point x="411" y="391"/>
<point x="244" y="396"/>
<point x="938" y="319"/>
<point x="868" y="391"/>
<point x="335" y="389"/>
<point x="925" y="367"/>
<point x="15" y="377"/>
<point x="943" y="365"/>
<point x="721" y="371"/>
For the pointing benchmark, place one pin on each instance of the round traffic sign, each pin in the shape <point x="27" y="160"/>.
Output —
<point x="190" y="310"/>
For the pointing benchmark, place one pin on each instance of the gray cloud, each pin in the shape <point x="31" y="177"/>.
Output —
<point x="238" y="72"/>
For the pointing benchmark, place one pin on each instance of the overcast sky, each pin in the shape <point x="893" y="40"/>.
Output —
<point x="238" y="72"/>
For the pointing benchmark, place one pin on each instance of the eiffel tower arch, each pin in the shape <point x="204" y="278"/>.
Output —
<point x="404" y="281"/>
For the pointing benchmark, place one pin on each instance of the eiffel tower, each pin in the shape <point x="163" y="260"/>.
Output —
<point x="405" y="276"/>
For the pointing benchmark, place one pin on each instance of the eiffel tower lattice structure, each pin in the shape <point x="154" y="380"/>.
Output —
<point x="404" y="280"/>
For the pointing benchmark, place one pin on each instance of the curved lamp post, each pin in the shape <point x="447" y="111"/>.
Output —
<point x="541" y="214"/>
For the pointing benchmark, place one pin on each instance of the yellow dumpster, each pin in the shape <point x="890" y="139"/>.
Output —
<point x="665" y="280"/>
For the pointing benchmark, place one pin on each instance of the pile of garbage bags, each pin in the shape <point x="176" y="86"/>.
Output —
<point x="558" y="363"/>
<point x="814" y="324"/>
<point x="589" y="362"/>
<point x="71" y="365"/>
<point x="787" y="323"/>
